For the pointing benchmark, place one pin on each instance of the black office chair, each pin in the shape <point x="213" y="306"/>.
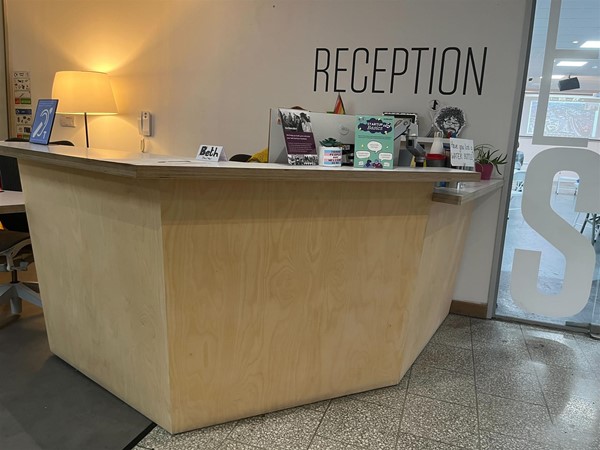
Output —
<point x="240" y="157"/>
<point x="15" y="255"/>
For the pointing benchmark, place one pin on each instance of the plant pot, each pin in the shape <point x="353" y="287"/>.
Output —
<point x="485" y="170"/>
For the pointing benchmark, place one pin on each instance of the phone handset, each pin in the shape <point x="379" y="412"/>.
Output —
<point x="145" y="123"/>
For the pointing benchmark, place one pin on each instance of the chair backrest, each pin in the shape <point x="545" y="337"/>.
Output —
<point x="9" y="173"/>
<point x="240" y="157"/>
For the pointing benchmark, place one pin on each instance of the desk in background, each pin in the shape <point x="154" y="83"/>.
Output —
<point x="11" y="202"/>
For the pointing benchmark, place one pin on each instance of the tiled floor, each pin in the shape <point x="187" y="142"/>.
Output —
<point x="478" y="384"/>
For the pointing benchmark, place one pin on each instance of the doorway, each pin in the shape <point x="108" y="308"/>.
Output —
<point x="561" y="108"/>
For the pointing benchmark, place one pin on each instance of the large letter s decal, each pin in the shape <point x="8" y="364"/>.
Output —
<point x="580" y="257"/>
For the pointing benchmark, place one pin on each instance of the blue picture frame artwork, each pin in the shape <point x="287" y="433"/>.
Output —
<point x="43" y="121"/>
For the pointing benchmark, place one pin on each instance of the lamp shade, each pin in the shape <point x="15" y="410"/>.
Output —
<point x="83" y="92"/>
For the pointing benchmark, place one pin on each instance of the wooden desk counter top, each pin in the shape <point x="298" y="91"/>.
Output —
<point x="467" y="193"/>
<point x="146" y="165"/>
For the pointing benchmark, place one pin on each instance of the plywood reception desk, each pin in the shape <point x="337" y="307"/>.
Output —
<point x="205" y="292"/>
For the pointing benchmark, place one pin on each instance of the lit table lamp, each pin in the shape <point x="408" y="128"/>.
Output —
<point x="83" y="93"/>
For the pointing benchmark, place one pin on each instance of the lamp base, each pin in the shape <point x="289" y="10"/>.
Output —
<point x="87" y="139"/>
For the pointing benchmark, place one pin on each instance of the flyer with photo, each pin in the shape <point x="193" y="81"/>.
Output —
<point x="299" y="138"/>
<point x="374" y="142"/>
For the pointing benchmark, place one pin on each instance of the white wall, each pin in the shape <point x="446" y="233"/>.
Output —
<point x="210" y="70"/>
<point x="3" y="99"/>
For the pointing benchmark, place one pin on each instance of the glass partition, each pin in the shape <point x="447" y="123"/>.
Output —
<point x="550" y="271"/>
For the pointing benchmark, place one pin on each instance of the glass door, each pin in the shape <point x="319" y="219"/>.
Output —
<point x="550" y="271"/>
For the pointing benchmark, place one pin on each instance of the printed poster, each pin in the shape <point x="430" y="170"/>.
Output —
<point x="299" y="138"/>
<point x="374" y="142"/>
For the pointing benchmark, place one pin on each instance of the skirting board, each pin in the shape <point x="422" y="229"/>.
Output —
<point x="478" y="310"/>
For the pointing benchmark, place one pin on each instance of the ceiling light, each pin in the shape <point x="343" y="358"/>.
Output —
<point x="590" y="44"/>
<point x="572" y="63"/>
<point x="575" y="42"/>
<point x="558" y="77"/>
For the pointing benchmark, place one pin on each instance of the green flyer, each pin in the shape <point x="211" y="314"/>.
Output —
<point x="374" y="142"/>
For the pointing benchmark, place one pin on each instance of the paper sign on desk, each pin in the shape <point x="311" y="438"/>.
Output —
<point x="212" y="153"/>
<point x="462" y="152"/>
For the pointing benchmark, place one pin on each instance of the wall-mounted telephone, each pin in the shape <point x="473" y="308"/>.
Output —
<point x="145" y="123"/>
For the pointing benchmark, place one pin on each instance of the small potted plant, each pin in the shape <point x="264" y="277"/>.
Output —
<point x="488" y="158"/>
<point x="330" y="152"/>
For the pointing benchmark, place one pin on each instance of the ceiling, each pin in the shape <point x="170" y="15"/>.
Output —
<point x="579" y="22"/>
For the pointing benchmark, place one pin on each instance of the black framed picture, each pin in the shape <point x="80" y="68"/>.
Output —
<point x="43" y="121"/>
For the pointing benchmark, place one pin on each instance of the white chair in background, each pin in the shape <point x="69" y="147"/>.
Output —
<point x="567" y="182"/>
<point x="518" y="184"/>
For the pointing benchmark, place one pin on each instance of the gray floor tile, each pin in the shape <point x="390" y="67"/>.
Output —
<point x="516" y="346"/>
<point x="205" y="438"/>
<point x="586" y="338"/>
<point x="496" y="331"/>
<point x="531" y="332"/>
<point x="456" y="321"/>
<point x="411" y="442"/>
<point x="495" y="441"/>
<point x="446" y="357"/>
<point x="518" y="419"/>
<point x="564" y="352"/>
<point x="228" y="444"/>
<point x="455" y="331"/>
<point x="287" y="429"/>
<point x="445" y="385"/>
<point x="566" y="380"/>
<point x="403" y="384"/>
<point x="441" y="421"/>
<point x="457" y="337"/>
<point x="567" y="438"/>
<point x="591" y="350"/>
<point x="576" y="412"/>
<point x="360" y="423"/>
<point x="491" y="356"/>
<point x="318" y="406"/>
<point x="391" y="397"/>
<point x="323" y="443"/>
<point x="510" y="384"/>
